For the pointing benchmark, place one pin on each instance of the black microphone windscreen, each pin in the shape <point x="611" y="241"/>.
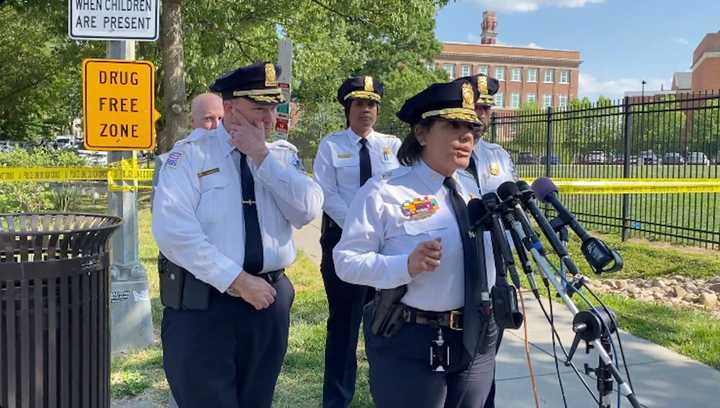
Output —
<point x="543" y="187"/>
<point x="476" y="210"/>
<point x="507" y="190"/>
<point x="523" y="185"/>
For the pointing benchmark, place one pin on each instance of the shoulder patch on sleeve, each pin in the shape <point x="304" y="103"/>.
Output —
<point x="173" y="159"/>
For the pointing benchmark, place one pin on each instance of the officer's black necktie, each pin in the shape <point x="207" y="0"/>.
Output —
<point x="471" y="318"/>
<point x="365" y="167"/>
<point x="472" y="168"/>
<point x="253" y="262"/>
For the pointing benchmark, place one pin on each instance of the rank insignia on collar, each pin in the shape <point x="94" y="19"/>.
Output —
<point x="419" y="208"/>
<point x="494" y="168"/>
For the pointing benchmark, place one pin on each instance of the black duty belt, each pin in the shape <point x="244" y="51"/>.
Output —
<point x="452" y="319"/>
<point x="273" y="276"/>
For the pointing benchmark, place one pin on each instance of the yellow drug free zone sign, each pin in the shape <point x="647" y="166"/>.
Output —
<point x="119" y="104"/>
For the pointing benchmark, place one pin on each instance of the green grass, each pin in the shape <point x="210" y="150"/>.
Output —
<point x="692" y="333"/>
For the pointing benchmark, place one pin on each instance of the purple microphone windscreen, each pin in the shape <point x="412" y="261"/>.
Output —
<point x="543" y="187"/>
<point x="507" y="190"/>
<point x="476" y="209"/>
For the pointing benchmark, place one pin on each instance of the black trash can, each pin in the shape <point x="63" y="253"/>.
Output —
<point x="54" y="310"/>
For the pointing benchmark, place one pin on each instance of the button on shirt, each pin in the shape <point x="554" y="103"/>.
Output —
<point x="337" y="167"/>
<point x="494" y="166"/>
<point x="197" y="209"/>
<point x="383" y="227"/>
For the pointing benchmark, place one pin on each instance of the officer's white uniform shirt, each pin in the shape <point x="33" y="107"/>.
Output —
<point x="337" y="166"/>
<point x="378" y="238"/>
<point x="197" y="211"/>
<point x="494" y="166"/>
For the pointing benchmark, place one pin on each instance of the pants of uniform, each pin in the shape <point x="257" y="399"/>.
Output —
<point x="345" y="303"/>
<point x="230" y="355"/>
<point x="490" y="403"/>
<point x="400" y="373"/>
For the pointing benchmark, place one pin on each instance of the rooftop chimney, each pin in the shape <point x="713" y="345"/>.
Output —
<point x="488" y="28"/>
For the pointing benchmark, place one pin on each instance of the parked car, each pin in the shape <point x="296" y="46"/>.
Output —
<point x="648" y="157"/>
<point x="698" y="158"/>
<point x="620" y="159"/>
<point x="554" y="160"/>
<point x="673" y="158"/>
<point x="596" y="157"/>
<point x="527" y="158"/>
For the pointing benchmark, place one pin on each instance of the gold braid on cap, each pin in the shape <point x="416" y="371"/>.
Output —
<point x="363" y="95"/>
<point x="461" y="114"/>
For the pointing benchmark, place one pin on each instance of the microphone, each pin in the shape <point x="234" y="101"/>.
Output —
<point x="477" y="217"/>
<point x="600" y="257"/>
<point x="494" y="208"/>
<point x="528" y="199"/>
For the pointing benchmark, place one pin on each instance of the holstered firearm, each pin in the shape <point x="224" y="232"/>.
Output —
<point x="387" y="317"/>
<point x="180" y="289"/>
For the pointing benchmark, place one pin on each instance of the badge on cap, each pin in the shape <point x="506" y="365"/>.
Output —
<point x="468" y="96"/>
<point x="494" y="168"/>
<point x="270" y="78"/>
<point x="419" y="208"/>
<point x="369" y="84"/>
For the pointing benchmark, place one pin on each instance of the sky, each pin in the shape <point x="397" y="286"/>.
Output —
<point x="621" y="42"/>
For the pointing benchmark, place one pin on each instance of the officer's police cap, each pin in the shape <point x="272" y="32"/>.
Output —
<point x="257" y="82"/>
<point x="360" y="87"/>
<point x="484" y="88"/>
<point x="452" y="101"/>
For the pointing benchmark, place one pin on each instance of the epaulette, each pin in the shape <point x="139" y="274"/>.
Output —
<point x="283" y="144"/>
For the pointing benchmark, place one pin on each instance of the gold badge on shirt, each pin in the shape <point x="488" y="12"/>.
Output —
<point x="494" y="168"/>
<point x="420" y="207"/>
<point x="387" y="151"/>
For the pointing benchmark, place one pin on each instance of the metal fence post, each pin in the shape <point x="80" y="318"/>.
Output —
<point x="493" y="128"/>
<point x="548" y="142"/>
<point x="627" y="130"/>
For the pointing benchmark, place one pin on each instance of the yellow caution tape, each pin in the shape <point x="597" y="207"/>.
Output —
<point x="126" y="175"/>
<point x="637" y="186"/>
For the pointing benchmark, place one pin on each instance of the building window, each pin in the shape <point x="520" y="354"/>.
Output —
<point x="465" y="70"/>
<point x="499" y="100"/>
<point x="483" y="69"/>
<point x="532" y="98"/>
<point x="564" y="77"/>
<point x="450" y="69"/>
<point x="547" y="101"/>
<point x="562" y="101"/>
<point x="548" y="76"/>
<point x="500" y="73"/>
<point x="515" y="74"/>
<point x="515" y="100"/>
<point x="532" y="75"/>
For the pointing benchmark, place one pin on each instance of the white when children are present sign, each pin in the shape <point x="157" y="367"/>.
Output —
<point x="114" y="19"/>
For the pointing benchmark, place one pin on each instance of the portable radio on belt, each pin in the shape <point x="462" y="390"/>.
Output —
<point x="439" y="353"/>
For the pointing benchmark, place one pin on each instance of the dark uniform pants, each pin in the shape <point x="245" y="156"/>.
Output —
<point x="490" y="403"/>
<point x="400" y="373"/>
<point x="345" y="303"/>
<point x="230" y="355"/>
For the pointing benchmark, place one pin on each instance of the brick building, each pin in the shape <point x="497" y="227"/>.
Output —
<point x="542" y="76"/>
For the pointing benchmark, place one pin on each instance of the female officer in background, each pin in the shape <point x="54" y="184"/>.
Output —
<point x="410" y="229"/>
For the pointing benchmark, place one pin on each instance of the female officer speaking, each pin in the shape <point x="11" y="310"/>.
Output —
<point x="410" y="230"/>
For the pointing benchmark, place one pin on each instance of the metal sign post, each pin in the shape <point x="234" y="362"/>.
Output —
<point x="130" y="316"/>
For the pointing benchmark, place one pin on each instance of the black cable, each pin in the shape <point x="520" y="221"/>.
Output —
<point x="562" y="348"/>
<point x="617" y="335"/>
<point x="557" y="365"/>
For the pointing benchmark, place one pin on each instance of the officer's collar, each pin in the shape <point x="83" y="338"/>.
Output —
<point x="223" y="134"/>
<point x="356" y="138"/>
<point x="432" y="178"/>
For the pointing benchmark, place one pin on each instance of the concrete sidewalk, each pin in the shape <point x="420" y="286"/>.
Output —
<point x="661" y="378"/>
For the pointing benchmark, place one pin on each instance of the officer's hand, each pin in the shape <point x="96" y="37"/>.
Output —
<point x="249" y="138"/>
<point x="425" y="257"/>
<point x="253" y="290"/>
